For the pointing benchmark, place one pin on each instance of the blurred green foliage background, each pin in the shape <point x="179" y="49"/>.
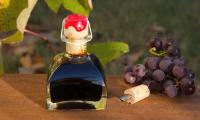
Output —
<point x="131" y="21"/>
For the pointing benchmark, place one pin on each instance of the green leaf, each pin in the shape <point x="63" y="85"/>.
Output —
<point x="13" y="19"/>
<point x="82" y="7"/>
<point x="54" y="5"/>
<point x="108" y="51"/>
<point x="16" y="37"/>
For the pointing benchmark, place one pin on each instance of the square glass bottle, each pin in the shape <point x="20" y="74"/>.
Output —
<point x="76" y="78"/>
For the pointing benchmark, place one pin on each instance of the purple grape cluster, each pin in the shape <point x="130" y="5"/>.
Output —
<point x="164" y="73"/>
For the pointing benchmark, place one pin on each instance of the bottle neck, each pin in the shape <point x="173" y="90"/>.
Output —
<point x="76" y="49"/>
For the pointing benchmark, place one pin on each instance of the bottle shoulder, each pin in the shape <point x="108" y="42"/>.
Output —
<point x="56" y="61"/>
<point x="97" y="63"/>
<point x="66" y="58"/>
<point x="65" y="66"/>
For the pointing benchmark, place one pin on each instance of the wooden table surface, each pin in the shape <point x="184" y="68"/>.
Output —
<point x="22" y="97"/>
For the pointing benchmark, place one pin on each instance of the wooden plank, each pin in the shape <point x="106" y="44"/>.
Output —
<point x="22" y="97"/>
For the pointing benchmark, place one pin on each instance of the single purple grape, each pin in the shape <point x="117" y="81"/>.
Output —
<point x="173" y="51"/>
<point x="156" y="43"/>
<point x="187" y="86"/>
<point x="153" y="63"/>
<point x="178" y="71"/>
<point x="129" y="78"/>
<point x="171" y="91"/>
<point x="139" y="70"/>
<point x="158" y="75"/>
<point x="165" y="64"/>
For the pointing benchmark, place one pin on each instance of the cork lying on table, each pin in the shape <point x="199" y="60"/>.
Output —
<point x="135" y="94"/>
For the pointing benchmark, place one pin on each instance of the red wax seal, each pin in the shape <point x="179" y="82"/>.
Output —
<point x="77" y="21"/>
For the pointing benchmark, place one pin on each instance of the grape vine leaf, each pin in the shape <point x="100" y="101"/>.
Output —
<point x="14" y="15"/>
<point x="82" y="7"/>
<point x="108" y="51"/>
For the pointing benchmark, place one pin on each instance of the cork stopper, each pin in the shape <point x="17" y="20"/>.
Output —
<point x="135" y="94"/>
<point x="76" y="32"/>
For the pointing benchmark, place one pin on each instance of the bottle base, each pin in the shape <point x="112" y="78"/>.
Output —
<point x="78" y="104"/>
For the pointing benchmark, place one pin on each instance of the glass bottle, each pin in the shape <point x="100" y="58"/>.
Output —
<point x="76" y="78"/>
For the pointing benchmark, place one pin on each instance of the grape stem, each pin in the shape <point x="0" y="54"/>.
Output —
<point x="154" y="52"/>
<point x="36" y="34"/>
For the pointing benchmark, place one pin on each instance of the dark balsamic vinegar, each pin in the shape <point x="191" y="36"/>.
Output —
<point x="77" y="79"/>
<point x="75" y="89"/>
